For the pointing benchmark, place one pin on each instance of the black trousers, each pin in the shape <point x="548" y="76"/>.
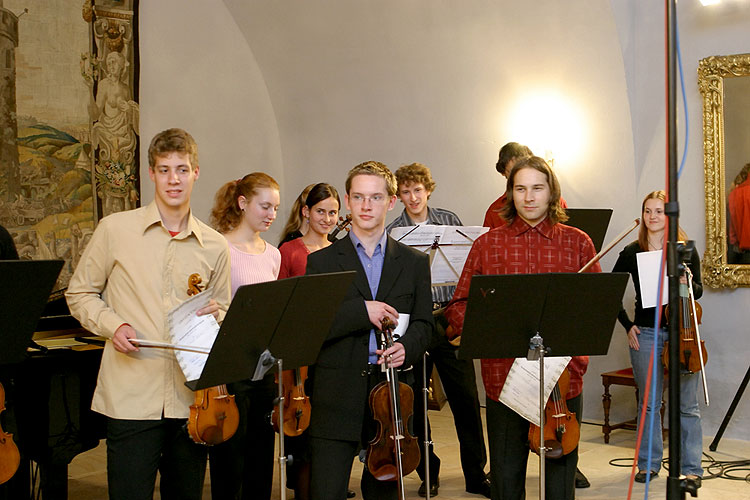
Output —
<point x="136" y="449"/>
<point x="460" y="384"/>
<point x="332" y="459"/>
<point x="508" y="434"/>
<point x="242" y="466"/>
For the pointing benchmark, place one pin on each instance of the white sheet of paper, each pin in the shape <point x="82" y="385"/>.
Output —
<point x="454" y="245"/>
<point x="403" y="324"/>
<point x="648" y="274"/>
<point x="521" y="389"/>
<point x="186" y="328"/>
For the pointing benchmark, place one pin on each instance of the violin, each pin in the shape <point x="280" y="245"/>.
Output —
<point x="296" y="403"/>
<point x="561" y="431"/>
<point x="9" y="455"/>
<point x="393" y="452"/>
<point x="213" y="417"/>
<point x="342" y="225"/>
<point x="693" y="354"/>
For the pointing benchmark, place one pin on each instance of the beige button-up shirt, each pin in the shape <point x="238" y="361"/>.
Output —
<point x="133" y="271"/>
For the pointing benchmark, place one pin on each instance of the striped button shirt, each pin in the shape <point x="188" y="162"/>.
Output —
<point x="518" y="248"/>
<point x="436" y="217"/>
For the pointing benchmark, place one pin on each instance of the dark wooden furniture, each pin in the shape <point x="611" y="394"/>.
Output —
<point x="623" y="377"/>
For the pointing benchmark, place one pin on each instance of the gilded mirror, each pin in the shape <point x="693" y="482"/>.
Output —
<point x="724" y="83"/>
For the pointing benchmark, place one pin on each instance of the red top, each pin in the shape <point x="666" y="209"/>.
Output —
<point x="492" y="218"/>
<point x="521" y="249"/>
<point x="739" y="216"/>
<point x="293" y="258"/>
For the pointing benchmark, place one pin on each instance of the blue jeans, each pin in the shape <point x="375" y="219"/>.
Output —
<point x="691" y="437"/>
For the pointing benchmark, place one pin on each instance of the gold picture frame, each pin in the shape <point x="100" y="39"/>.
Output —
<point x="722" y="79"/>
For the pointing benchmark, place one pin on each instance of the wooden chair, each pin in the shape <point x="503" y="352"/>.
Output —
<point x="624" y="377"/>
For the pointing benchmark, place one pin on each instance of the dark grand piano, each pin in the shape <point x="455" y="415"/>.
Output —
<point x="48" y="400"/>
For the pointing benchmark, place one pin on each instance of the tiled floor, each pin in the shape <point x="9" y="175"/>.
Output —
<point x="88" y="471"/>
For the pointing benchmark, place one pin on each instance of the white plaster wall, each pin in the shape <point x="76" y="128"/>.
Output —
<point x="436" y="82"/>
<point x="198" y="73"/>
<point x="306" y="90"/>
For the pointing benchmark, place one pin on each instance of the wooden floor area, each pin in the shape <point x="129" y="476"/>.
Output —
<point x="87" y="473"/>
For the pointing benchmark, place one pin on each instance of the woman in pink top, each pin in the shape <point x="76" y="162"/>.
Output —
<point x="320" y="212"/>
<point x="242" y="467"/>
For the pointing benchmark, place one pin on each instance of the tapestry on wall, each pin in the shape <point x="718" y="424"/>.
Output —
<point x="69" y="120"/>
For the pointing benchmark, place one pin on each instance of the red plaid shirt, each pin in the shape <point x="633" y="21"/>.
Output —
<point x="521" y="249"/>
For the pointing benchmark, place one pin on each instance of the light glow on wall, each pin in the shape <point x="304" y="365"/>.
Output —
<point x="551" y="124"/>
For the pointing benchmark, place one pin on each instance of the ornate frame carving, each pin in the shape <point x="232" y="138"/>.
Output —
<point x="717" y="272"/>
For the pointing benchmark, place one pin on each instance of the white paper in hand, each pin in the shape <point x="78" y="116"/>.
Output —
<point x="187" y="328"/>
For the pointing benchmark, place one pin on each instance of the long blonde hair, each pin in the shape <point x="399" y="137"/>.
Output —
<point x="643" y="230"/>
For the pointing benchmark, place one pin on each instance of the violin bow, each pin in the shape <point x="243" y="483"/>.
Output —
<point x="697" y="333"/>
<point x="166" y="345"/>
<point x="606" y="249"/>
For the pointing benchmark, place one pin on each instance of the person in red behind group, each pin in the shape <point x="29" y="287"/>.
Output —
<point x="531" y="240"/>
<point x="509" y="155"/>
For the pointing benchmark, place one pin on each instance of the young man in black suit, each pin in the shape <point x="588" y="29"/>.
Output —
<point x="392" y="281"/>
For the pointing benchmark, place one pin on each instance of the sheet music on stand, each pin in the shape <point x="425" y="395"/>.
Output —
<point x="521" y="389"/>
<point x="451" y="245"/>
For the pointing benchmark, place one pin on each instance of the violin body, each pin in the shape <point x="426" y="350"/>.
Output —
<point x="9" y="455"/>
<point x="393" y="452"/>
<point x="381" y="461"/>
<point x="561" y="430"/>
<point x="689" y="345"/>
<point x="213" y="417"/>
<point x="297" y="408"/>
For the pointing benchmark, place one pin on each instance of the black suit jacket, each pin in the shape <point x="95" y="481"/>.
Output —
<point x="340" y="378"/>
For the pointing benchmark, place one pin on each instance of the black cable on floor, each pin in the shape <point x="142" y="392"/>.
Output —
<point x="713" y="469"/>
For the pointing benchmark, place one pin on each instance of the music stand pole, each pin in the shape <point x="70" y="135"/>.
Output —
<point x="536" y="351"/>
<point x="282" y="456"/>
<point x="427" y="438"/>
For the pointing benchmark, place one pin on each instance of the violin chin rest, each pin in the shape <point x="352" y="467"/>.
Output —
<point x="554" y="449"/>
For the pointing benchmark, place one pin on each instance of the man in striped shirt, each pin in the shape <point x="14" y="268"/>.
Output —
<point x="415" y="185"/>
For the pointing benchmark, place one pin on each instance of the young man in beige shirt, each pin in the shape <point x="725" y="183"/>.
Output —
<point x="133" y="271"/>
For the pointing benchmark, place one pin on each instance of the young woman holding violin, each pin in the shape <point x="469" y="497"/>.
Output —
<point x="242" y="467"/>
<point x="320" y="212"/>
<point x="643" y="335"/>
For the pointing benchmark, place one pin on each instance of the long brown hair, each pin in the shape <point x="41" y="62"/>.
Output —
<point x="643" y="230"/>
<point x="294" y="222"/>
<point x="555" y="212"/>
<point x="226" y="213"/>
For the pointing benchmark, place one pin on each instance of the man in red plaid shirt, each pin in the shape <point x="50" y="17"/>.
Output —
<point x="533" y="240"/>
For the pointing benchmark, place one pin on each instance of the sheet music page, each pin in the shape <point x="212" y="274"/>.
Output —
<point x="403" y="324"/>
<point x="521" y="390"/>
<point x="186" y="328"/>
<point x="454" y="243"/>
<point x="648" y="274"/>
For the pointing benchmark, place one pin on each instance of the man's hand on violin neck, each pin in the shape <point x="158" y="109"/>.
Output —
<point x="377" y="311"/>
<point x="396" y="355"/>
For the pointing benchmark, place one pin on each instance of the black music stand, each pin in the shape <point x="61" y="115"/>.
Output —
<point x="531" y="315"/>
<point x="25" y="286"/>
<point x="282" y="323"/>
<point x="592" y="221"/>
